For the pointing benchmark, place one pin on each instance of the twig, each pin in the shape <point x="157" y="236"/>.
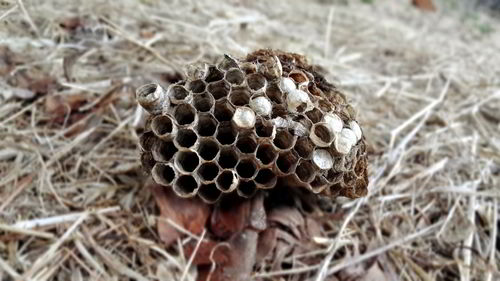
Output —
<point x="191" y="258"/>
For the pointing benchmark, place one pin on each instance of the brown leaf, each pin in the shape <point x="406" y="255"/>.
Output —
<point x="288" y="217"/>
<point x="60" y="106"/>
<point x="266" y="244"/>
<point x="425" y="5"/>
<point x="189" y="213"/>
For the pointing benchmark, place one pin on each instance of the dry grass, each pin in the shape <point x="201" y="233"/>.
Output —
<point x="427" y="87"/>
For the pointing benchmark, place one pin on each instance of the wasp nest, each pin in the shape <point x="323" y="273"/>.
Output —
<point x="243" y="125"/>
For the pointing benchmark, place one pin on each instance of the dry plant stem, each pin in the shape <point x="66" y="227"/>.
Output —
<point x="191" y="258"/>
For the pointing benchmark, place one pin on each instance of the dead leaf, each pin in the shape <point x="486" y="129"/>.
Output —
<point x="425" y="5"/>
<point x="230" y="217"/>
<point x="288" y="217"/>
<point x="61" y="106"/>
<point x="189" y="213"/>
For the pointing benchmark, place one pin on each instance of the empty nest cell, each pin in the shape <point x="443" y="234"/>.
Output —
<point x="163" y="151"/>
<point x="235" y="76"/>
<point x="266" y="153"/>
<point x="178" y="93"/>
<point x="227" y="158"/>
<point x="218" y="89"/>
<point x="207" y="125"/>
<point x="223" y="110"/>
<point x="187" y="161"/>
<point x="213" y="74"/>
<point x="266" y="178"/>
<point x="284" y="139"/>
<point x="227" y="181"/>
<point x="184" y="114"/>
<point x="209" y="193"/>
<point x="162" y="126"/>
<point x="186" y="138"/>
<point x="226" y="134"/>
<point x="256" y="81"/>
<point x="197" y="86"/>
<point x="203" y="102"/>
<point x="246" y="168"/>
<point x="208" y="171"/>
<point x="286" y="162"/>
<point x="208" y="149"/>
<point x="247" y="188"/>
<point x="246" y="144"/>
<point x="240" y="96"/>
<point x="185" y="186"/>
<point x="163" y="174"/>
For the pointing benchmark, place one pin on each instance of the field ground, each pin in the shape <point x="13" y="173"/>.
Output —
<point x="426" y="86"/>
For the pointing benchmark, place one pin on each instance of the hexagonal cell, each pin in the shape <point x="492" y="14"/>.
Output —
<point x="244" y="118"/>
<point x="163" y="174"/>
<point x="227" y="62"/>
<point x="163" y="151"/>
<point x="213" y="74"/>
<point x="223" y="110"/>
<point x="333" y="176"/>
<point x="187" y="161"/>
<point x="304" y="147"/>
<point x="318" y="184"/>
<point x="197" y="86"/>
<point x="239" y="96"/>
<point x="284" y="139"/>
<point x="286" y="162"/>
<point x="323" y="159"/>
<point x="186" y="138"/>
<point x="203" y="102"/>
<point x="147" y="161"/>
<point x="247" y="188"/>
<point x="325" y="105"/>
<point x="207" y="125"/>
<point x="314" y="90"/>
<point x="246" y="168"/>
<point x="177" y="93"/>
<point x="208" y="171"/>
<point x="301" y="126"/>
<point x="298" y="76"/>
<point x="266" y="178"/>
<point x="321" y="135"/>
<point x="279" y="110"/>
<point x="274" y="93"/>
<point x="315" y="115"/>
<point x="147" y="141"/>
<point x="163" y="126"/>
<point x="247" y="144"/>
<point x="209" y="193"/>
<point x="305" y="171"/>
<point x="261" y="105"/>
<point x="219" y="89"/>
<point x="226" y="134"/>
<point x="208" y="149"/>
<point x="266" y="153"/>
<point x="235" y="76"/>
<point x="227" y="181"/>
<point x="227" y="158"/>
<point x="184" y="114"/>
<point x="186" y="186"/>
<point x="256" y="81"/>
<point x="264" y="128"/>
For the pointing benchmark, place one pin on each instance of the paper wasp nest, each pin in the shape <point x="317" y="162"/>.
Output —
<point x="242" y="125"/>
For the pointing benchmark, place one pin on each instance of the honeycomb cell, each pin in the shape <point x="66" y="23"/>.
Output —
<point x="208" y="171"/>
<point x="315" y="115"/>
<point x="227" y="63"/>
<point x="163" y="126"/>
<point x="256" y="81"/>
<point x="246" y="168"/>
<point x="203" y="102"/>
<point x="226" y="134"/>
<point x="227" y="181"/>
<point x="266" y="178"/>
<point x="304" y="147"/>
<point x="298" y="76"/>
<point x="213" y="74"/>
<point x="261" y="105"/>
<point x="244" y="118"/>
<point x="323" y="159"/>
<point x="318" y="184"/>
<point x="227" y="158"/>
<point x="207" y="125"/>
<point x="147" y="161"/>
<point x="264" y="128"/>
<point x="163" y="174"/>
<point x="286" y="162"/>
<point x="284" y="139"/>
<point x="321" y="135"/>
<point x="266" y="153"/>
<point x="147" y="141"/>
<point x="186" y="138"/>
<point x="184" y="114"/>
<point x="235" y="76"/>
<point x="219" y="89"/>
<point x="305" y="171"/>
<point x="239" y="96"/>
<point x="298" y="101"/>
<point x="344" y="141"/>
<point x="197" y="86"/>
<point x="152" y="97"/>
<point x="209" y="193"/>
<point x="325" y="105"/>
<point x="274" y="93"/>
<point x="246" y="144"/>
<point x="334" y="122"/>
<point x="178" y="94"/>
<point x="164" y="151"/>
<point x="185" y="186"/>
<point x="208" y="149"/>
<point x="187" y="161"/>
<point x="246" y="188"/>
<point x="223" y="110"/>
<point x="333" y="176"/>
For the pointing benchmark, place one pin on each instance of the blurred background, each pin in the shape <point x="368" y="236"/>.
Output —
<point x="423" y="75"/>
